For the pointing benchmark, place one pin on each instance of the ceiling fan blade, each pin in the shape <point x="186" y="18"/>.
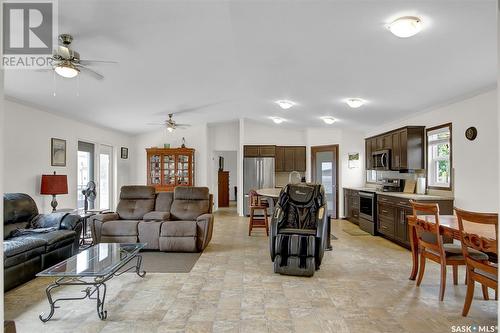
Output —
<point x="155" y="124"/>
<point x="93" y="73"/>
<point x="182" y="125"/>
<point x="90" y="62"/>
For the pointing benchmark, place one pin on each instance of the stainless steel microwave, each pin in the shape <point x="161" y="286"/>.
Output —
<point x="381" y="160"/>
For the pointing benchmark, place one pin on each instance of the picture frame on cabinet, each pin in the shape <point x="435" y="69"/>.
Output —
<point x="57" y="152"/>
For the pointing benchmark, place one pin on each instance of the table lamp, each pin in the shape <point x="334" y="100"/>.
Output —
<point x="53" y="185"/>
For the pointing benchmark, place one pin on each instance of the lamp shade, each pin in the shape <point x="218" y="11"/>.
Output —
<point x="54" y="184"/>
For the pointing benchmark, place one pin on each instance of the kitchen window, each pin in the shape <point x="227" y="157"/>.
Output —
<point x="439" y="157"/>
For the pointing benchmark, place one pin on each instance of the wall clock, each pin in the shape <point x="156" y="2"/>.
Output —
<point x="471" y="133"/>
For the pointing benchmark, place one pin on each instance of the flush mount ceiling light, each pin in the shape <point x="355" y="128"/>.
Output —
<point x="277" y="120"/>
<point x="67" y="69"/>
<point x="285" y="104"/>
<point x="355" y="102"/>
<point x="328" y="120"/>
<point x="406" y="26"/>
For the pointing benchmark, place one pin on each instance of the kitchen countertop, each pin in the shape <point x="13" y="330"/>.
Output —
<point x="413" y="196"/>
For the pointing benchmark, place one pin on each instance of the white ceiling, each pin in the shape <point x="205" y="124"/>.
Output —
<point x="237" y="57"/>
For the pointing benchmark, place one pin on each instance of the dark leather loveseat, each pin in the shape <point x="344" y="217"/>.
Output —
<point x="32" y="241"/>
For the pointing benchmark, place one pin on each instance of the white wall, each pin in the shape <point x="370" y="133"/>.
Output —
<point x="195" y="137"/>
<point x="349" y="141"/>
<point x="263" y="134"/>
<point x="475" y="163"/>
<point x="27" y="136"/>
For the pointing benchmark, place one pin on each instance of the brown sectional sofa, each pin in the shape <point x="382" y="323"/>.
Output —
<point x="179" y="221"/>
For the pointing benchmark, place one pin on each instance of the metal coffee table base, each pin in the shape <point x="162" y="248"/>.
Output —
<point x="95" y="286"/>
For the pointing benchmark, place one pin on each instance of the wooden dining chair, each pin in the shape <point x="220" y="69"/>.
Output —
<point x="257" y="203"/>
<point x="482" y="271"/>
<point x="431" y="245"/>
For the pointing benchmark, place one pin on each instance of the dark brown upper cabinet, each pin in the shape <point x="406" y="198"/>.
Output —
<point x="290" y="158"/>
<point x="259" y="151"/>
<point x="405" y="144"/>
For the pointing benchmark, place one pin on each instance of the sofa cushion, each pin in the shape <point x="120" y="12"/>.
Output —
<point x="135" y="201"/>
<point x="132" y="209"/>
<point x="137" y="192"/>
<point x="178" y="228"/>
<point x="17" y="245"/>
<point x="156" y="216"/>
<point x="149" y="233"/>
<point x="191" y="193"/>
<point x="189" y="203"/>
<point x="164" y="201"/>
<point x="53" y="239"/>
<point x="9" y="229"/>
<point x="120" y="228"/>
<point x="18" y="207"/>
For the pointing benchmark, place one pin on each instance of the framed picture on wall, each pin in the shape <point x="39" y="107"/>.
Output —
<point x="124" y="153"/>
<point x="353" y="160"/>
<point x="58" y="152"/>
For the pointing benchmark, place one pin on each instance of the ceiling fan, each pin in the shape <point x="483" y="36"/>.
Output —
<point x="171" y="124"/>
<point x="67" y="62"/>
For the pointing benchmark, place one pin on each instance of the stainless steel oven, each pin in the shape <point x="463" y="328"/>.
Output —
<point x="367" y="205"/>
<point x="367" y="211"/>
<point x="381" y="159"/>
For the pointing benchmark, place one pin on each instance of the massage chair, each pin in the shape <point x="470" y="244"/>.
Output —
<point x="298" y="231"/>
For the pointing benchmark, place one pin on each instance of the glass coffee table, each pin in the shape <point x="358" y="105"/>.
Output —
<point x="92" y="268"/>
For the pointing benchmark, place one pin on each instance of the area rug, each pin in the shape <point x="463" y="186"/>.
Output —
<point x="168" y="262"/>
<point x="355" y="232"/>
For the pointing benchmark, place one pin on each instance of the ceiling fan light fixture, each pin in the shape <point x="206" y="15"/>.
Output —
<point x="355" y="102"/>
<point x="405" y="26"/>
<point x="170" y="129"/>
<point x="277" y="120"/>
<point x="285" y="104"/>
<point x="67" y="69"/>
<point x="328" y="120"/>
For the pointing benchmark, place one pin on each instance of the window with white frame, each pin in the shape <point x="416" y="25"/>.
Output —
<point x="439" y="159"/>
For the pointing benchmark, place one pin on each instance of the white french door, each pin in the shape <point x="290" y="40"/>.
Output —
<point x="105" y="183"/>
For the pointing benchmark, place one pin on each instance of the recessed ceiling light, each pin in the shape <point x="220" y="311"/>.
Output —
<point x="328" y="120"/>
<point x="285" y="104"/>
<point x="277" y="120"/>
<point x="406" y="26"/>
<point x="355" y="102"/>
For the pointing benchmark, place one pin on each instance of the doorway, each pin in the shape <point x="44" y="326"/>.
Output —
<point x="226" y="169"/>
<point x="85" y="171"/>
<point x="105" y="176"/>
<point x="325" y="171"/>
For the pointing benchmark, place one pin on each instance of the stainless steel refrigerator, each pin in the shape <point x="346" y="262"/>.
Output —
<point x="258" y="172"/>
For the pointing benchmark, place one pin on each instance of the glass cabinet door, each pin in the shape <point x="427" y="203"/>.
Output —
<point x="169" y="169"/>
<point x="154" y="169"/>
<point x="183" y="169"/>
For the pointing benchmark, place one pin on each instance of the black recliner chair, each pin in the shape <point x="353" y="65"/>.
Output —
<point x="299" y="232"/>
<point x="32" y="241"/>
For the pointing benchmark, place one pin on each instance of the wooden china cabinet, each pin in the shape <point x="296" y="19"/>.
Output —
<point x="170" y="167"/>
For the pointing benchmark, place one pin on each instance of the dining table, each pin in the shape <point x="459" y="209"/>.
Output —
<point x="448" y="226"/>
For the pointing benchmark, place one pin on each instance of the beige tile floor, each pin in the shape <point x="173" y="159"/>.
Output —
<point x="362" y="286"/>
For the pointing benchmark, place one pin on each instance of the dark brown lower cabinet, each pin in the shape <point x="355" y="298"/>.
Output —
<point x="392" y="213"/>
<point x="351" y="205"/>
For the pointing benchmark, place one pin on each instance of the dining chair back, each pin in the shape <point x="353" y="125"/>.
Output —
<point x="256" y="204"/>
<point x="482" y="271"/>
<point x="431" y="246"/>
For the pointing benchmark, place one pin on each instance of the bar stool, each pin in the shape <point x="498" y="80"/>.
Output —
<point x="257" y="204"/>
